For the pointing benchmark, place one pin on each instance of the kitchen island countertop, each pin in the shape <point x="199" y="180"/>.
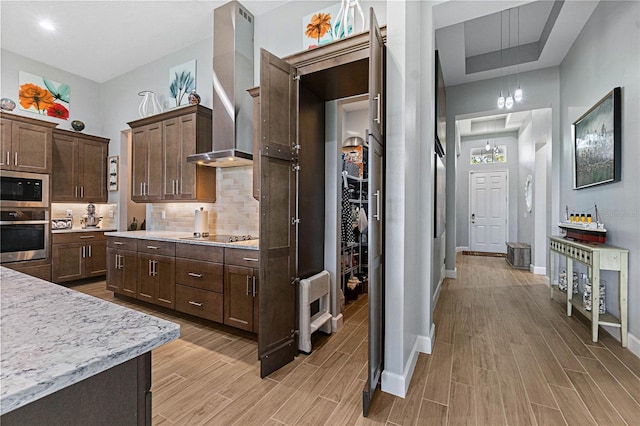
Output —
<point x="54" y="337"/>
<point x="182" y="237"/>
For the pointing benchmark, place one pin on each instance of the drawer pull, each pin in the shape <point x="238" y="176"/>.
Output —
<point x="153" y="247"/>
<point x="193" y="274"/>
<point x="118" y="243"/>
<point x="84" y="237"/>
<point x="191" y="302"/>
<point x="251" y="259"/>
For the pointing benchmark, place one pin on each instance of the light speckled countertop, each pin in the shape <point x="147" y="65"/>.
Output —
<point x="181" y="237"/>
<point x="66" y="231"/>
<point x="53" y="337"/>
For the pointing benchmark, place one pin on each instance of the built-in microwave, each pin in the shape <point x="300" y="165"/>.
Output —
<point x="20" y="189"/>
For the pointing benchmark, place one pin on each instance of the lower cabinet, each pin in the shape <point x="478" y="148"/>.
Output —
<point x="122" y="271"/>
<point x="199" y="281"/>
<point x="36" y="268"/>
<point x="78" y="255"/>
<point x="241" y="289"/>
<point x="215" y="283"/>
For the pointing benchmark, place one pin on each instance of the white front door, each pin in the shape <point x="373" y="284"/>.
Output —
<point x="488" y="209"/>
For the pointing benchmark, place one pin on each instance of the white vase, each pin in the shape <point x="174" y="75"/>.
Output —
<point x="149" y="104"/>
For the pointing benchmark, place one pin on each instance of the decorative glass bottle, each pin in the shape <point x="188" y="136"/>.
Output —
<point x="149" y="104"/>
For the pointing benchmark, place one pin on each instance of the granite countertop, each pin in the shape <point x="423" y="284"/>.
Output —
<point x="53" y="337"/>
<point x="181" y="237"/>
<point x="68" y="230"/>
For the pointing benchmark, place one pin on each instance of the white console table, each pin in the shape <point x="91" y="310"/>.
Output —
<point x="597" y="257"/>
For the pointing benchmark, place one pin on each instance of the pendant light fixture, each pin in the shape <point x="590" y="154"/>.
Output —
<point x="508" y="103"/>
<point x="517" y="95"/>
<point x="501" y="100"/>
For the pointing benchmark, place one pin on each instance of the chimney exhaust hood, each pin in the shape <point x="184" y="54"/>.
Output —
<point x="232" y="142"/>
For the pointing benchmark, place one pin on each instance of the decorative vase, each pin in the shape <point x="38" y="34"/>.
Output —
<point x="77" y="125"/>
<point x="149" y="104"/>
<point x="194" y="98"/>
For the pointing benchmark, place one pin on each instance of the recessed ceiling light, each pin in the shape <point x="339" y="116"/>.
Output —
<point x="47" y="25"/>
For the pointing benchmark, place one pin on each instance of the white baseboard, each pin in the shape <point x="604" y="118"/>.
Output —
<point x="336" y="323"/>
<point x="462" y="248"/>
<point x="397" y="384"/>
<point x="448" y="273"/>
<point x="538" y="270"/>
<point x="436" y="294"/>
<point x="633" y="344"/>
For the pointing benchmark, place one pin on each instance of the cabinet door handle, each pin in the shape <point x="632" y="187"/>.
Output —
<point x="251" y="259"/>
<point x="86" y="237"/>
<point x="155" y="268"/>
<point x="89" y="251"/>
<point x="150" y="268"/>
<point x="191" y="302"/>
<point x="75" y="190"/>
<point x="82" y="191"/>
<point x="193" y="274"/>
<point x="121" y="261"/>
<point x="15" y="161"/>
<point x="255" y="287"/>
<point x="84" y="251"/>
<point x="377" y="195"/>
<point x="247" y="285"/>
<point x="378" y="102"/>
<point x="117" y="261"/>
<point x="152" y="247"/>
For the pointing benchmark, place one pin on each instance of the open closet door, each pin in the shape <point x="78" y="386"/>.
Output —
<point x="277" y="339"/>
<point x="376" y="199"/>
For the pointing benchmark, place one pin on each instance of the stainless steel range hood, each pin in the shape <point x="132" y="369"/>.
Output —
<point x="232" y="142"/>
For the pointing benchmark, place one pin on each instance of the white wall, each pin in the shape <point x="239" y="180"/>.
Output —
<point x="526" y="165"/>
<point x="606" y="54"/>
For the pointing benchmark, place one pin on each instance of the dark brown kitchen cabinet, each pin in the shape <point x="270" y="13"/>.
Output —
<point x="165" y="174"/>
<point x="77" y="255"/>
<point x="122" y="271"/>
<point x="199" y="281"/>
<point x="25" y="144"/>
<point x="79" y="167"/>
<point x="156" y="272"/>
<point x="241" y="295"/>
<point x="146" y="163"/>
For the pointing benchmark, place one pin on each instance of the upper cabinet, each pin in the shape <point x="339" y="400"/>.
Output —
<point x="80" y="167"/>
<point x="25" y="144"/>
<point x="161" y="144"/>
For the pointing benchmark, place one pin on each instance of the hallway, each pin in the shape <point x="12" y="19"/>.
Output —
<point x="504" y="354"/>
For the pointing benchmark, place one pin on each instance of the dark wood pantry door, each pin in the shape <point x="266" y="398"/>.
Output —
<point x="376" y="202"/>
<point x="277" y="338"/>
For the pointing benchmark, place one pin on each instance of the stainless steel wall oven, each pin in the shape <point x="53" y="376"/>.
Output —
<point x="24" y="216"/>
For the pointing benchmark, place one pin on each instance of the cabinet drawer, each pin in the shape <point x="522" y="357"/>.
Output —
<point x="200" y="252"/>
<point x="199" y="274"/>
<point x="122" y="243"/>
<point x="77" y="237"/>
<point x="242" y="257"/>
<point x="200" y="303"/>
<point x="157" y="247"/>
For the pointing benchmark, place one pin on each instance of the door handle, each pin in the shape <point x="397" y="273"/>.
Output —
<point x="76" y="191"/>
<point x="255" y="290"/>
<point x="377" y="195"/>
<point x="82" y="191"/>
<point x="8" y="155"/>
<point x="473" y="218"/>
<point x="193" y="274"/>
<point x="16" y="159"/>
<point x="84" y="252"/>
<point x="247" y="285"/>
<point x="378" y="99"/>
<point x="191" y="302"/>
<point x="141" y="188"/>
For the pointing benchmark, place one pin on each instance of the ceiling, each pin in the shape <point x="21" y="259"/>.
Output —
<point x="100" y="40"/>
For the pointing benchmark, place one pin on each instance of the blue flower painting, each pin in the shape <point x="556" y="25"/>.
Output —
<point x="182" y="81"/>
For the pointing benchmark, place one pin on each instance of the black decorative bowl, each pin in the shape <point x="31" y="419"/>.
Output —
<point x="77" y="125"/>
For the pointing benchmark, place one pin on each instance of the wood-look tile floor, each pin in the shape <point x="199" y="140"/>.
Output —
<point x="505" y="354"/>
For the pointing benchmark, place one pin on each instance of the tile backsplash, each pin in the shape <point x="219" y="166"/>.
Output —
<point x="235" y="211"/>
<point x="109" y="213"/>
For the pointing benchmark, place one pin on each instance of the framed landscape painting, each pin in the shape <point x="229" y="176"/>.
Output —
<point x="597" y="144"/>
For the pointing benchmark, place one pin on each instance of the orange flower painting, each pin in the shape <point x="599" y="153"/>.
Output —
<point x="43" y="96"/>
<point x="318" y="28"/>
<point x="320" y="24"/>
